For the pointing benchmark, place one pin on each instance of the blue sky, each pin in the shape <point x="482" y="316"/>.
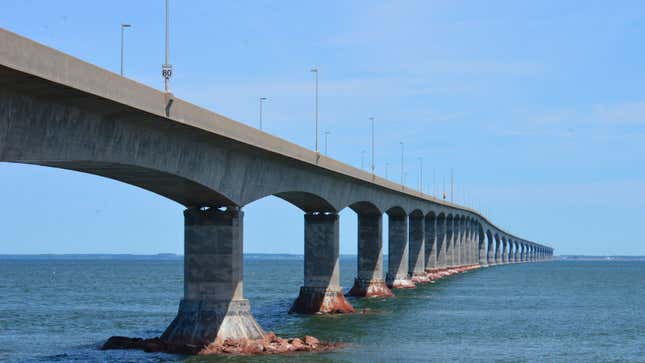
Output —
<point x="539" y="107"/>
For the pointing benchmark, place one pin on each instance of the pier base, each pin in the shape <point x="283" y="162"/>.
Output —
<point x="320" y="300"/>
<point x="370" y="288"/>
<point x="420" y="278"/>
<point x="399" y="282"/>
<point x="200" y="323"/>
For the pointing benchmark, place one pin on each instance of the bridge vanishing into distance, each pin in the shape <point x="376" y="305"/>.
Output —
<point x="58" y="111"/>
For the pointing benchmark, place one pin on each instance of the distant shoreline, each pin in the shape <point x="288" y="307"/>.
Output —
<point x="126" y="256"/>
<point x="258" y="256"/>
<point x="599" y="258"/>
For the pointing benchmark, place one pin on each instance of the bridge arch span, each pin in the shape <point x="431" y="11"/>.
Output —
<point x="365" y="208"/>
<point x="180" y="189"/>
<point x="307" y="202"/>
<point x="396" y="211"/>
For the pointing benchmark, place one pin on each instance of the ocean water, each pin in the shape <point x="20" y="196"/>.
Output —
<point x="63" y="310"/>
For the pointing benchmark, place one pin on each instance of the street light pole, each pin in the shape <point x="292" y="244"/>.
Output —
<point x="326" y="134"/>
<point x="315" y="71"/>
<point x="261" y="99"/>
<point x="372" y="119"/>
<point x="166" y="68"/>
<point x="452" y="185"/>
<point x="123" y="26"/>
<point x="434" y="185"/>
<point x="402" y="166"/>
<point x="443" y="187"/>
<point x="421" y="174"/>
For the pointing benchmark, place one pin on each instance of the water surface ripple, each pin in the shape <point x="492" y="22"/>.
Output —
<point x="62" y="310"/>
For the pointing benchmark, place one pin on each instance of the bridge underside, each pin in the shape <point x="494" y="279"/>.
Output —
<point x="181" y="190"/>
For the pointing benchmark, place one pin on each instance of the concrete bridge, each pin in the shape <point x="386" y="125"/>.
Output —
<point x="58" y="111"/>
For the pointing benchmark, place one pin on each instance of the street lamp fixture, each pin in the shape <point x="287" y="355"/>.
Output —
<point x="372" y="120"/>
<point x="326" y="134"/>
<point x="402" y="163"/>
<point x="315" y="72"/>
<point x="123" y="27"/>
<point x="262" y="99"/>
<point x="421" y="174"/>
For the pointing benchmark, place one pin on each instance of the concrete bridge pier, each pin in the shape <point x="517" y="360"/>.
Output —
<point x="463" y="258"/>
<point x="476" y="247"/>
<point x="528" y="254"/>
<point x="431" y="243"/>
<point x="459" y="242"/>
<point x="370" y="282"/>
<point x="454" y="243"/>
<point x="483" y="257"/>
<point x="469" y="246"/>
<point x="213" y="305"/>
<point x="441" y="242"/>
<point x="465" y="245"/>
<point x="397" y="270"/>
<point x="477" y="256"/>
<point x="450" y="242"/>
<point x="417" y="249"/>
<point x="498" y="252"/>
<point x="490" y="249"/>
<point x="504" y="254"/>
<point x="321" y="293"/>
<point x="473" y="254"/>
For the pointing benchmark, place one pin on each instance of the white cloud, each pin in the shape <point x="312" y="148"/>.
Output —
<point x="626" y="113"/>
